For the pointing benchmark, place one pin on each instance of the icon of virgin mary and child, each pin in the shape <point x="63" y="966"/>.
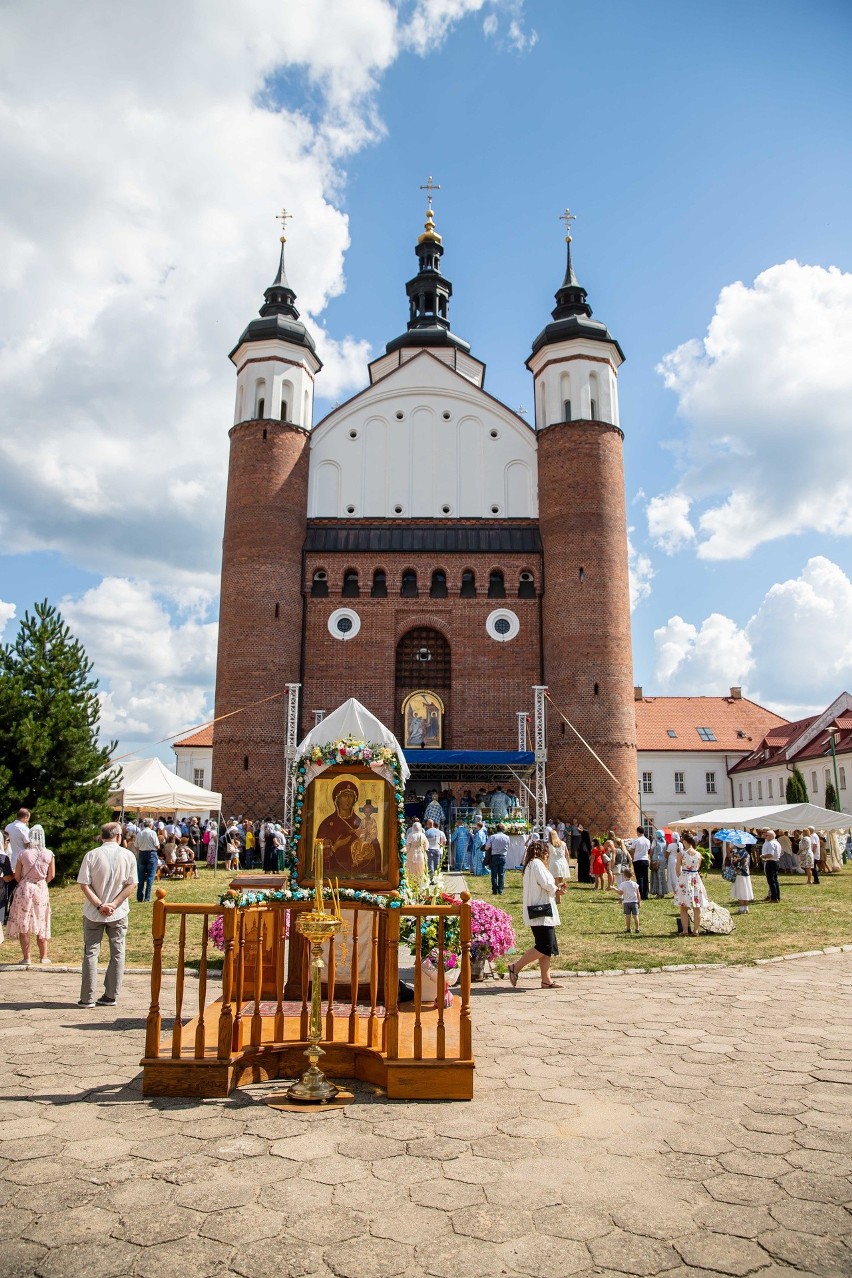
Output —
<point x="351" y="841"/>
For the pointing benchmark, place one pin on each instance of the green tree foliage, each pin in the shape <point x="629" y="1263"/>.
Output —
<point x="831" y="799"/>
<point x="797" y="791"/>
<point x="50" y="760"/>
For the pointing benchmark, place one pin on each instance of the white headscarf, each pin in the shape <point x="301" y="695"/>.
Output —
<point x="37" y="837"/>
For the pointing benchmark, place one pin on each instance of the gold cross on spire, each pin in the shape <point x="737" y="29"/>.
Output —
<point x="283" y="217"/>
<point x="429" y="187"/>
<point x="568" y="217"/>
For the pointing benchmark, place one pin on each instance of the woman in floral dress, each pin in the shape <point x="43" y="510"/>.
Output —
<point x="30" y="911"/>
<point x="741" y="890"/>
<point x="689" y="893"/>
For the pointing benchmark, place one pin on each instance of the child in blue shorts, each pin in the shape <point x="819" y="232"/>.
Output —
<point x="629" y="894"/>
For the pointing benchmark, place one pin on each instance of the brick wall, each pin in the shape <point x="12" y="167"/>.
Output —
<point x="259" y="651"/>
<point x="490" y="680"/>
<point x="586" y="624"/>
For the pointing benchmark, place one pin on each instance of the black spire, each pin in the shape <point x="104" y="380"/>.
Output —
<point x="572" y="315"/>
<point x="279" y="317"/>
<point x="429" y="294"/>
<point x="571" y="296"/>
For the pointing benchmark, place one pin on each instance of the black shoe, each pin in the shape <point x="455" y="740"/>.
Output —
<point x="106" y="1002"/>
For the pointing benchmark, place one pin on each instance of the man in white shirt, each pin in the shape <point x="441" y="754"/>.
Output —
<point x="18" y="834"/>
<point x="770" y="854"/>
<point x="816" y="849"/>
<point x="437" y="841"/>
<point x="640" y="854"/>
<point x="107" y="878"/>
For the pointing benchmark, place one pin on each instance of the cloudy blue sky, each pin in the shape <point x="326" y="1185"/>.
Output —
<point x="706" y="152"/>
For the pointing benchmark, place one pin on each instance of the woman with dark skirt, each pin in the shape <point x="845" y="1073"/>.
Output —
<point x="541" y="916"/>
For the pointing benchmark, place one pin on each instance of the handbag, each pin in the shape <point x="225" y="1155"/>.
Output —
<point x="540" y="911"/>
<point x="729" y="873"/>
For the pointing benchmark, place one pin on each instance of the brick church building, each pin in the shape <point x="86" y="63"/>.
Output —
<point x="427" y="550"/>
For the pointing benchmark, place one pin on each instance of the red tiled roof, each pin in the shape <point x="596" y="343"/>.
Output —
<point x="203" y="737"/>
<point x="773" y="746"/>
<point x="737" y="723"/>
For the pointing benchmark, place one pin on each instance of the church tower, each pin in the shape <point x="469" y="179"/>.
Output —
<point x="260" y="612"/>
<point x="583" y="524"/>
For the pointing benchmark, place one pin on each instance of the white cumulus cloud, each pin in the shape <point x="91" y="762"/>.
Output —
<point x="7" y="614"/>
<point x="767" y="400"/>
<point x="156" y="662"/>
<point x="668" y="521"/>
<point x="640" y="573"/>
<point x="794" y="654"/>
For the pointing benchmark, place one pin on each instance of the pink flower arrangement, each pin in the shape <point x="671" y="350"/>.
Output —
<point x="491" y="931"/>
<point x="216" y="930"/>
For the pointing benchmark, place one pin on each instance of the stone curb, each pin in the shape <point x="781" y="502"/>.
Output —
<point x="558" y="972"/>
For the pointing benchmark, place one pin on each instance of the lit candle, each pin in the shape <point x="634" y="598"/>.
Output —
<point x="318" y="851"/>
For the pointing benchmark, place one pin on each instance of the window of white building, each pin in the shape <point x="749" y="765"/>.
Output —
<point x="814" y="784"/>
<point x="760" y="789"/>
<point x="741" y="792"/>
<point x="680" y="783"/>
<point x="842" y="777"/>
<point x="750" y="795"/>
<point x="198" y="777"/>
<point x="647" y="783"/>
<point x="706" y="734"/>
<point x="710" y="778"/>
<point x="827" y="778"/>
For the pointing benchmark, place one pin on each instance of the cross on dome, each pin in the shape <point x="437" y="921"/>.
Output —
<point x="429" y="186"/>
<point x="283" y="217"/>
<point x="568" y="217"/>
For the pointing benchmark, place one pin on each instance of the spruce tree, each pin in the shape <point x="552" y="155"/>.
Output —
<point x="831" y="800"/>
<point x="797" y="791"/>
<point x="50" y="760"/>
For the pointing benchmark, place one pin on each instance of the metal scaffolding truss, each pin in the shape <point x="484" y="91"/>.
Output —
<point x="291" y="740"/>
<point x="540" y="749"/>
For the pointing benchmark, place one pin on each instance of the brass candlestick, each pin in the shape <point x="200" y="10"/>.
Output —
<point x="317" y="926"/>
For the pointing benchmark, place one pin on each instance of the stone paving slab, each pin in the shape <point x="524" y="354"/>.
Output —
<point x="695" y="1124"/>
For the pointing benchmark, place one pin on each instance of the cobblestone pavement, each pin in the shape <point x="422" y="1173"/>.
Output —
<point x="679" y="1123"/>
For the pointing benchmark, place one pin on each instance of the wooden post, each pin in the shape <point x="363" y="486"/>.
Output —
<point x="158" y="932"/>
<point x="202" y="992"/>
<point x="353" y="981"/>
<point x="440" y="1034"/>
<point x="279" y="922"/>
<point x="257" y="1018"/>
<point x="332" y="976"/>
<point x="177" y="1027"/>
<point x="239" y="977"/>
<point x="391" y="1030"/>
<point x="374" y="981"/>
<point x="465" y="1036"/>
<point x="226" y="1018"/>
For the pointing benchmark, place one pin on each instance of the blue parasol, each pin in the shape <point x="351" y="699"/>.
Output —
<point x="737" y="838"/>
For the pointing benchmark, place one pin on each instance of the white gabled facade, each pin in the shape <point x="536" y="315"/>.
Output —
<point x="423" y="442"/>
<point x="682" y="783"/>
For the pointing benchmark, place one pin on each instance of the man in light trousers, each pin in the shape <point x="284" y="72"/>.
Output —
<point x="107" y="878"/>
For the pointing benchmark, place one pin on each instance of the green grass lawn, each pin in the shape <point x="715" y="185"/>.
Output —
<point x="591" y="936"/>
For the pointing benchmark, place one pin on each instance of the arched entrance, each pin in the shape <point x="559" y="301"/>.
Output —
<point x="422" y="664"/>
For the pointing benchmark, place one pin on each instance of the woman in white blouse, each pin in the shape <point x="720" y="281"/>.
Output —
<point x="541" y="895"/>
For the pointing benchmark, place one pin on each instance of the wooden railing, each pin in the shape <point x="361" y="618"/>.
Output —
<point x="265" y="985"/>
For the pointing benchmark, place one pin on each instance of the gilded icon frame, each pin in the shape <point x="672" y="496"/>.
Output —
<point x="351" y="865"/>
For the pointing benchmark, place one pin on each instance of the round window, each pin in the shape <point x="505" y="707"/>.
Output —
<point x="344" y="623"/>
<point x="503" y="625"/>
<point x="350" y="510"/>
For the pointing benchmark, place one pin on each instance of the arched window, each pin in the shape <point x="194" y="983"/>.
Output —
<point x="259" y="398"/>
<point x="468" y="584"/>
<point x="566" y="410"/>
<point x="438" y="589"/>
<point x="496" y="585"/>
<point x="379" y="589"/>
<point x="350" y="584"/>
<point x="526" y="586"/>
<point x="285" y="416"/>
<point x="594" y="397"/>
<point x="319" y="584"/>
<point x="408" y="589"/>
<point x="422" y="659"/>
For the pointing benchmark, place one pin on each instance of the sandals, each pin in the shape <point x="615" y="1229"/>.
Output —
<point x="513" y="976"/>
<point x="553" y="985"/>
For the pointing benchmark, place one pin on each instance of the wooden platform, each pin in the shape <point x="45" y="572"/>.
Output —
<point x="278" y="1052"/>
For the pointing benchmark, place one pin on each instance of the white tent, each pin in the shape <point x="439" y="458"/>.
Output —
<point x="147" y="785"/>
<point x="352" y="720"/>
<point x="782" y="816"/>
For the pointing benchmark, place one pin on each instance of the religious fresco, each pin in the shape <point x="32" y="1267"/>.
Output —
<point x="352" y="811"/>
<point x="422" y="720"/>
